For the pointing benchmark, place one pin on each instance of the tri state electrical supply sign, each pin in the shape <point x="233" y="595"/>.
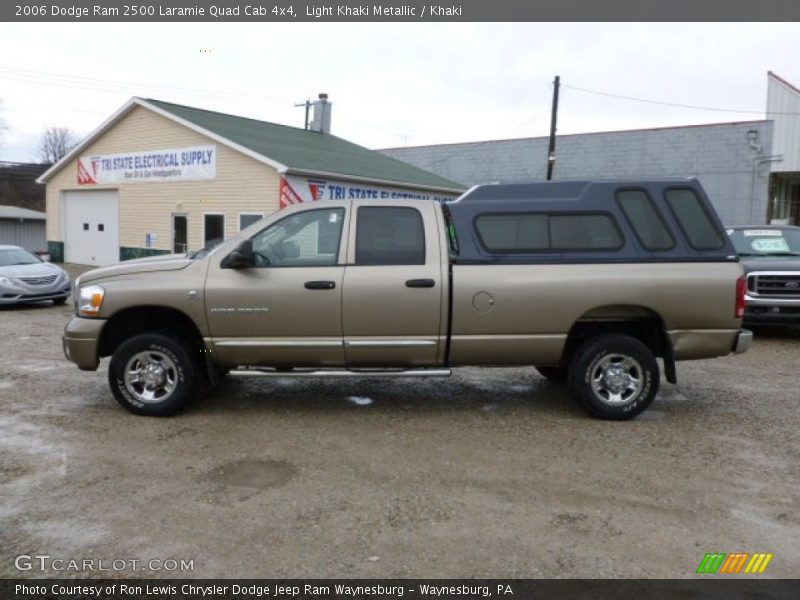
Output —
<point x="295" y="189"/>
<point x="150" y="166"/>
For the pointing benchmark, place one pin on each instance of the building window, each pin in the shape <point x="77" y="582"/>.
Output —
<point x="389" y="236"/>
<point x="247" y="219"/>
<point x="214" y="230"/>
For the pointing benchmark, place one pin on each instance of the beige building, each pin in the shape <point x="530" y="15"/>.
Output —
<point x="157" y="178"/>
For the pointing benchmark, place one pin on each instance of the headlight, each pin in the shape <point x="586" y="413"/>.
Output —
<point x="4" y="280"/>
<point x="90" y="299"/>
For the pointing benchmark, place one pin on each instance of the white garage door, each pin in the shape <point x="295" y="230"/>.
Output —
<point x="91" y="227"/>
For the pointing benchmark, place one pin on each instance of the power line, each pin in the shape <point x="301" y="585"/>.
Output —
<point x="79" y="82"/>
<point x="675" y="104"/>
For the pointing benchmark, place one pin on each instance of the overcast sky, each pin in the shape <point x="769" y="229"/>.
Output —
<point x="392" y="84"/>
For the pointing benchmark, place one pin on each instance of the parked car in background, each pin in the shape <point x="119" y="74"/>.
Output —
<point x="770" y="256"/>
<point x="24" y="277"/>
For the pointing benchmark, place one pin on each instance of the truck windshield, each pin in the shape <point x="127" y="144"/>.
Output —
<point x="766" y="242"/>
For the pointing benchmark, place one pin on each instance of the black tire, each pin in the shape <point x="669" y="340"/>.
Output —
<point x="59" y="301"/>
<point x="172" y="377"/>
<point x="598" y="372"/>
<point x="553" y="374"/>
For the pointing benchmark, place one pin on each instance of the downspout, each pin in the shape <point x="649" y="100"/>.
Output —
<point x="757" y="162"/>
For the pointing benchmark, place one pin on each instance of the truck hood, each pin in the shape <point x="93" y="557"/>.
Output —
<point x="770" y="263"/>
<point x="169" y="262"/>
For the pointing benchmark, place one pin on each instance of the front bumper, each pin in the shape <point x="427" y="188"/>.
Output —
<point x="80" y="341"/>
<point x="30" y="294"/>
<point x="743" y="340"/>
<point x="771" y="310"/>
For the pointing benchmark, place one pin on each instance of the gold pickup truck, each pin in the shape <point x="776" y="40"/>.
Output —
<point x="590" y="282"/>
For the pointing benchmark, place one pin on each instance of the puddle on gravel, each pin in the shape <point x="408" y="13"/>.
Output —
<point x="259" y="474"/>
<point x="360" y="400"/>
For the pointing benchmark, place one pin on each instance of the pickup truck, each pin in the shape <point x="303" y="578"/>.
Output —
<point x="770" y="256"/>
<point x="590" y="282"/>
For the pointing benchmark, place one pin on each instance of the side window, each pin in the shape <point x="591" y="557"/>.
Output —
<point x="693" y="219"/>
<point x="645" y="220"/>
<point x="389" y="235"/>
<point x="583" y="232"/>
<point x="306" y="239"/>
<point x="515" y="232"/>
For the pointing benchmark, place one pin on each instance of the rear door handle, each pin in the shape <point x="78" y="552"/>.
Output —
<point x="320" y="285"/>
<point x="420" y="283"/>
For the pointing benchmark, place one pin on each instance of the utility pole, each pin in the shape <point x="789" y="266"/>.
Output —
<point x="551" y="151"/>
<point x="307" y="104"/>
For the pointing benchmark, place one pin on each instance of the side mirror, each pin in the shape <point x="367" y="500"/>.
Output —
<point x="241" y="257"/>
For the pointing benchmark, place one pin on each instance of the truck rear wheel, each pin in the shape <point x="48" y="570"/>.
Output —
<point x="152" y="374"/>
<point x="615" y="377"/>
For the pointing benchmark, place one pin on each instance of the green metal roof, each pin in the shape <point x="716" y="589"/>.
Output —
<point x="307" y="151"/>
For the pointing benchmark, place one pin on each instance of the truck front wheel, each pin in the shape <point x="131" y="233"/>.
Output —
<point x="615" y="377"/>
<point x="152" y="374"/>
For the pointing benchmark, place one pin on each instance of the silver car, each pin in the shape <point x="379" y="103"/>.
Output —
<point x="24" y="277"/>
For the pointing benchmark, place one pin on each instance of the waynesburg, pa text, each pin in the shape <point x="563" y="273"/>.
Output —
<point x="215" y="591"/>
<point x="317" y="11"/>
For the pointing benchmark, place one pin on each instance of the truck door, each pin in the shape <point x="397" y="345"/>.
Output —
<point x="393" y="295"/>
<point x="286" y="309"/>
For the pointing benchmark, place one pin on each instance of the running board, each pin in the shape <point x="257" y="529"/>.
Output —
<point x="255" y="372"/>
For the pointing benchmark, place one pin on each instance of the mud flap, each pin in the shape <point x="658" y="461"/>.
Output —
<point x="670" y="373"/>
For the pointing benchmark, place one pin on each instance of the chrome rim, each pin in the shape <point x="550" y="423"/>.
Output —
<point x="151" y="376"/>
<point x="617" y="379"/>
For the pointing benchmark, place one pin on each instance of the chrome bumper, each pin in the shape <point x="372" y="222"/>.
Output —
<point x="743" y="340"/>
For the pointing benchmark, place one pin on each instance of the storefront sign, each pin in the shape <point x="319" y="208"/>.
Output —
<point x="172" y="164"/>
<point x="295" y="189"/>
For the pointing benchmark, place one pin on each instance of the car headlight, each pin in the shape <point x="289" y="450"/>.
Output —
<point x="5" y="281"/>
<point x="90" y="299"/>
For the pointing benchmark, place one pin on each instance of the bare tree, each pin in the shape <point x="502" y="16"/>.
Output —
<point x="55" y="143"/>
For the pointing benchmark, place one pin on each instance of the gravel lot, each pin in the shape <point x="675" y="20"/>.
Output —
<point x="492" y="473"/>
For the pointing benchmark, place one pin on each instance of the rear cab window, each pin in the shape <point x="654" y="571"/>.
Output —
<point x="389" y="235"/>
<point x="535" y="232"/>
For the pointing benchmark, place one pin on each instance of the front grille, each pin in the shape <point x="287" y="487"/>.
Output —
<point x="47" y="279"/>
<point x="774" y="285"/>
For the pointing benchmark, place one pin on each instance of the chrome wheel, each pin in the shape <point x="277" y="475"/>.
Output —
<point x="617" y="379"/>
<point x="151" y="376"/>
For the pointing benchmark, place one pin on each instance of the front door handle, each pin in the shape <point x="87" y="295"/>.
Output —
<point x="420" y="283"/>
<point x="320" y="285"/>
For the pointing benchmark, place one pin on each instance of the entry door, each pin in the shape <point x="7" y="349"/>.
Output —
<point x="393" y="291"/>
<point x="286" y="310"/>
<point x="179" y="233"/>
<point x="91" y="227"/>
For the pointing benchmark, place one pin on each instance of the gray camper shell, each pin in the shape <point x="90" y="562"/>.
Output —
<point x="666" y="220"/>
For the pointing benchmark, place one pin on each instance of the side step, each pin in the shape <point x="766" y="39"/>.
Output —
<point x="257" y="372"/>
